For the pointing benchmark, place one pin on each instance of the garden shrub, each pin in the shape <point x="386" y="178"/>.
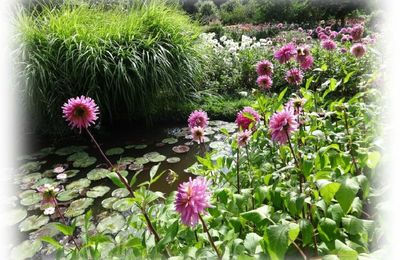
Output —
<point x="134" y="62"/>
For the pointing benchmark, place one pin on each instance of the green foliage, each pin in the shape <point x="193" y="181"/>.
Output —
<point x="134" y="62"/>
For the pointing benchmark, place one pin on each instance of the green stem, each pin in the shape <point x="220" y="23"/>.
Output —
<point x="237" y="170"/>
<point x="209" y="237"/>
<point x="353" y="159"/>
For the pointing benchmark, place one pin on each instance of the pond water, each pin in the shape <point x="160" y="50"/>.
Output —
<point x="87" y="185"/>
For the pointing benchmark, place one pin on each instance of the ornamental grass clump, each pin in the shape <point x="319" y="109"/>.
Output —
<point x="136" y="62"/>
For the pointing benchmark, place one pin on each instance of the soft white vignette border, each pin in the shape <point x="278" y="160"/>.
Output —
<point x="9" y="132"/>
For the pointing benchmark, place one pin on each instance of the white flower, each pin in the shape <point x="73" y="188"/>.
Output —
<point x="49" y="211"/>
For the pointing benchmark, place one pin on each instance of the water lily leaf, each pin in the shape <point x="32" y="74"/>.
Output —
<point x="43" y="181"/>
<point x="126" y="160"/>
<point x="26" y="249"/>
<point x="140" y="146"/>
<point x="108" y="203"/>
<point x="98" y="191"/>
<point x="111" y="224"/>
<point x="123" y="204"/>
<point x="78" y="184"/>
<point x="97" y="174"/>
<point x="151" y="155"/>
<point x="26" y="194"/>
<point x="173" y="160"/>
<point x="78" y="207"/>
<point x="135" y="167"/>
<point x="67" y="195"/>
<point x="158" y="158"/>
<point x="84" y="162"/>
<point x="30" y="198"/>
<point x="33" y="177"/>
<point x="15" y="216"/>
<point x="77" y="156"/>
<point x="170" y="140"/>
<point x="70" y="150"/>
<point x="141" y="160"/>
<point x="48" y="230"/>
<point x="181" y="149"/>
<point x="71" y="173"/>
<point x="115" y="151"/>
<point x="120" y="193"/>
<point x="33" y="222"/>
<point x="31" y="167"/>
<point x="218" y="145"/>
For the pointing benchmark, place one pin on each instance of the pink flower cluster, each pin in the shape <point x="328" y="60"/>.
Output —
<point x="264" y="70"/>
<point x="304" y="57"/>
<point x="294" y="76"/>
<point x="198" y="121"/>
<point x="192" y="199"/>
<point x="282" y="124"/>
<point x="286" y="53"/>
<point x="246" y="118"/>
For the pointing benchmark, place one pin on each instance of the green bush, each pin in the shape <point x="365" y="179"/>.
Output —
<point x="207" y="11"/>
<point x="134" y="62"/>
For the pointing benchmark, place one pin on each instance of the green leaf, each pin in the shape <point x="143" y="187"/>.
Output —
<point x="251" y="242"/>
<point x="276" y="240"/>
<point x="309" y="81"/>
<point x="306" y="231"/>
<point x="294" y="230"/>
<point x="328" y="190"/>
<point x="257" y="215"/>
<point x="346" y="193"/>
<point x="348" y="76"/>
<point x="373" y="159"/>
<point x="327" y="229"/>
<point x="344" y="252"/>
<point x="66" y="230"/>
<point x="172" y="231"/>
<point x="153" y="171"/>
<point x="52" y="242"/>
<point x="282" y="94"/>
<point x="116" y="180"/>
<point x="355" y="226"/>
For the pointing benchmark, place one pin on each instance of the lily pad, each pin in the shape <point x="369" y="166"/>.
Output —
<point x="140" y="146"/>
<point x="126" y="160"/>
<point x="15" y="216"/>
<point x="78" y="185"/>
<point x="115" y="151"/>
<point x="108" y="203"/>
<point x="170" y="140"/>
<point x="120" y="193"/>
<point x="33" y="177"/>
<point x="78" y="207"/>
<point x="84" y="162"/>
<point x="26" y="194"/>
<point x="30" y="199"/>
<point x="123" y="204"/>
<point x="141" y="160"/>
<point x="71" y="173"/>
<point x="217" y="145"/>
<point x="97" y="174"/>
<point x="67" y="195"/>
<point x="31" y="167"/>
<point x="123" y="173"/>
<point x="135" y="167"/>
<point x="111" y="224"/>
<point x="158" y="158"/>
<point x="33" y="222"/>
<point x="129" y="146"/>
<point x="151" y="155"/>
<point x="70" y="150"/>
<point x="49" y="230"/>
<point x="44" y="181"/>
<point x="173" y="160"/>
<point x="181" y="149"/>
<point x="26" y="249"/>
<point x="77" y="156"/>
<point x="98" y="191"/>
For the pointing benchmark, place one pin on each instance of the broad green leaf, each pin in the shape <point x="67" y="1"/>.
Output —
<point x="170" y="235"/>
<point x="356" y="226"/>
<point x="52" y="242"/>
<point x="327" y="229"/>
<point x="282" y="94"/>
<point x="328" y="190"/>
<point x="276" y="240"/>
<point x="66" y="230"/>
<point x="346" y="193"/>
<point x="344" y="252"/>
<point x="294" y="230"/>
<point x="306" y="231"/>
<point x="251" y="242"/>
<point x="257" y="215"/>
<point x="373" y="159"/>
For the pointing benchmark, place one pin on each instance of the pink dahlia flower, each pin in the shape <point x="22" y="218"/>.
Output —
<point x="265" y="67"/>
<point x="357" y="32"/>
<point x="318" y="29"/>
<point x="307" y="62"/>
<point x="358" y="50"/>
<point x="197" y="134"/>
<point x="346" y="38"/>
<point x="285" y="53"/>
<point x="294" y="76"/>
<point x="192" y="199"/>
<point x="333" y="35"/>
<point x="322" y="36"/>
<point x="295" y="104"/>
<point x="80" y="112"/>
<point x="328" y="44"/>
<point x="244" y="137"/>
<point x="343" y="50"/>
<point x="198" y="118"/>
<point x="247" y="117"/>
<point x="264" y="82"/>
<point x="282" y="124"/>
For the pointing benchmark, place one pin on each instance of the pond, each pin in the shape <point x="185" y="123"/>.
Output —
<point x="84" y="183"/>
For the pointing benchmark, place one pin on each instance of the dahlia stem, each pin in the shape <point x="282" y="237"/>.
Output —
<point x="237" y="170"/>
<point x="314" y="237"/>
<point x="350" y="144"/>
<point x="251" y="179"/>
<point x="128" y="187"/>
<point x="209" y="237"/>
<point x="65" y="222"/>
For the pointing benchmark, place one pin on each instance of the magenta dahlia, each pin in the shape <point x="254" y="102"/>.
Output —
<point x="328" y="44"/>
<point x="357" y="32"/>
<point x="264" y="82"/>
<point x="358" y="50"/>
<point x="198" y="118"/>
<point x="294" y="76"/>
<point x="265" y="67"/>
<point x="80" y="112"/>
<point x="247" y="117"/>
<point x="285" y="53"/>
<point x="307" y="62"/>
<point x="282" y="124"/>
<point x="192" y="199"/>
